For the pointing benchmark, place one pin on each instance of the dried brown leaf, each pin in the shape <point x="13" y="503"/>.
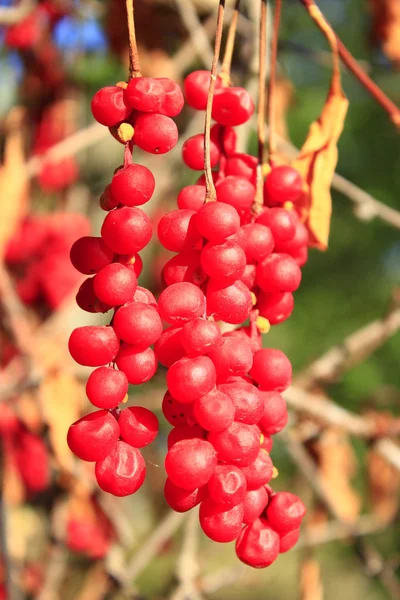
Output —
<point x="318" y="156"/>
<point x="384" y="486"/>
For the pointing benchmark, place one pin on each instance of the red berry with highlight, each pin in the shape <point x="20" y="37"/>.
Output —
<point x="94" y="436"/>
<point x="156" y="134"/>
<point x="93" y="345"/>
<point x="90" y="254"/>
<point x="115" y="284"/>
<point x="122" y="472"/>
<point x="108" y="106"/>
<point x="227" y="485"/>
<point x="190" y="378"/>
<point x="271" y="369"/>
<point x="181" y="302"/>
<point x="138" y="364"/>
<point x="285" y="512"/>
<point x="190" y="463"/>
<point x="133" y="185"/>
<point x="138" y="426"/>
<point x="106" y="387"/>
<point x="126" y="230"/>
<point x="221" y="524"/>
<point x="138" y="324"/>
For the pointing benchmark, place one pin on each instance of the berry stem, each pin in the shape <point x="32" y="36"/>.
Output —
<point x="272" y="142"/>
<point x="134" y="64"/>
<point x="211" y="194"/>
<point x="262" y="49"/>
<point x="351" y="63"/>
<point x="127" y="155"/>
<point x="225" y="73"/>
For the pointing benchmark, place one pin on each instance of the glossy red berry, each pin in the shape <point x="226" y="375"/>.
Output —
<point x="258" y="545"/>
<point x="190" y="463"/>
<point x="138" y="364"/>
<point x="90" y="254"/>
<point x="138" y="426"/>
<point x="192" y="197"/>
<point x="177" y="230"/>
<point x="260" y="471"/>
<point x="278" y="273"/>
<point x="282" y="184"/>
<point x="216" y="221"/>
<point x="133" y="185"/>
<point x="87" y="300"/>
<point x="145" y="94"/>
<point x="184" y="266"/>
<point x="221" y="524"/>
<point x="185" y="432"/>
<point x="108" y="106"/>
<point x="214" y="411"/>
<point x="168" y="348"/>
<point x="156" y="134"/>
<point x="271" y="369"/>
<point x="275" y="306"/>
<point x="242" y="165"/>
<point x="232" y="357"/>
<point x="94" y="436"/>
<point x="115" y="284"/>
<point x="196" y="86"/>
<point x="227" y="485"/>
<point x="281" y="222"/>
<point x="181" y="500"/>
<point x="199" y="336"/>
<point x="254" y="503"/>
<point x="173" y="100"/>
<point x="181" y="302"/>
<point x="193" y="152"/>
<point x="190" y="378"/>
<point x="248" y="401"/>
<point x="175" y="412"/>
<point x="229" y="303"/>
<point x="238" y="445"/>
<point x="93" y="345"/>
<point x="288" y="540"/>
<point x="223" y="261"/>
<point x="257" y="241"/>
<point x="232" y="106"/>
<point x="275" y="415"/>
<point x="144" y="295"/>
<point x="298" y="241"/>
<point x="138" y="324"/>
<point x="106" y="387"/>
<point x="236" y="191"/>
<point x="122" y="472"/>
<point x="126" y="230"/>
<point x="285" y="512"/>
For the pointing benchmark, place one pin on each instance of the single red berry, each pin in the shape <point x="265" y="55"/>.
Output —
<point x="247" y="399"/>
<point x="138" y="426"/>
<point x="199" y="336"/>
<point x="106" y="387"/>
<point x="278" y="273"/>
<point x="275" y="306"/>
<point x="254" y="503"/>
<point x="175" y="412"/>
<point x="181" y="302"/>
<point x="253" y="339"/>
<point x="296" y="242"/>
<point x="238" y="445"/>
<point x="225" y="261"/>
<point x="285" y="512"/>
<point x="115" y="284"/>
<point x="87" y="300"/>
<point x="90" y="254"/>
<point x="258" y="545"/>
<point x="271" y="369"/>
<point x="193" y="152"/>
<point x="108" y="106"/>
<point x="173" y="101"/>
<point x="236" y="191"/>
<point x="282" y="184"/>
<point x="281" y="222"/>
<point x="181" y="500"/>
<point x="190" y="463"/>
<point x="229" y="303"/>
<point x="216" y="221"/>
<point x="122" y="472"/>
<point x="221" y="524"/>
<point x="169" y="348"/>
<point x="232" y="357"/>
<point x="138" y="324"/>
<point x="126" y="230"/>
<point x="93" y="345"/>
<point x="133" y="185"/>
<point x="185" y="432"/>
<point x="177" y="230"/>
<point x="184" y="266"/>
<point x="301" y="255"/>
<point x="288" y="540"/>
<point x="156" y="134"/>
<point x="259" y="472"/>
<point x="242" y="165"/>
<point x="192" y="197"/>
<point x="107" y="201"/>
<point x="256" y="240"/>
<point x="138" y="364"/>
<point x="145" y="94"/>
<point x="214" y="411"/>
<point x="275" y="415"/>
<point x="144" y="295"/>
<point x="227" y="485"/>
<point x="94" y="436"/>
<point x="196" y="86"/>
<point x="232" y="106"/>
<point x="190" y="378"/>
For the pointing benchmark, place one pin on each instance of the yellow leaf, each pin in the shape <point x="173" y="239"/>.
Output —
<point x="13" y="182"/>
<point x="318" y="156"/>
<point x="61" y="400"/>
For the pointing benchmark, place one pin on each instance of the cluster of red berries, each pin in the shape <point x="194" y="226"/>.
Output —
<point x="233" y="263"/>
<point x="121" y="351"/>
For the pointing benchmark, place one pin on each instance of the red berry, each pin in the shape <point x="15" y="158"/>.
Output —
<point x="156" y="134"/>
<point x="278" y="273"/>
<point x="221" y="524"/>
<point x="282" y="184"/>
<point x="184" y="432"/>
<point x="236" y="191"/>
<point x="90" y="254"/>
<point x="225" y="138"/>
<point x="247" y="400"/>
<point x="214" y="411"/>
<point x="232" y="357"/>
<point x="94" y="436"/>
<point x="184" y="267"/>
<point x="232" y="106"/>
<point x="175" y="412"/>
<point x="259" y="472"/>
<point x="249" y="276"/>
<point x="190" y="463"/>
<point x="223" y="261"/>
<point x="190" y="378"/>
<point x="285" y="512"/>
<point x="133" y="185"/>
<point x="139" y="365"/>
<point x="242" y="165"/>
<point x="216" y="221"/>
<point x="145" y="94"/>
<point x="108" y="106"/>
<point x="126" y="230"/>
<point x="257" y="241"/>
<point x="227" y="485"/>
<point x="168" y="348"/>
<point x="254" y="503"/>
<point x="87" y="300"/>
<point x="199" y="336"/>
<point x="258" y="545"/>
<point x="145" y="296"/>
<point x="275" y="306"/>
<point x="196" y="86"/>
<point x="275" y="416"/>
<point x="115" y="284"/>
<point x="193" y="152"/>
<point x="192" y="197"/>
<point x="177" y="230"/>
<point x="281" y="222"/>
<point x="181" y="500"/>
<point x="173" y="101"/>
<point x="138" y="324"/>
<point x="93" y="345"/>
<point x="122" y="472"/>
<point x="138" y="426"/>
<point x="296" y="242"/>
<point x="106" y="387"/>
<point x="181" y="302"/>
<point x="132" y="262"/>
<point x="271" y="369"/>
<point x="288" y="540"/>
<point x="238" y="445"/>
<point x="229" y="303"/>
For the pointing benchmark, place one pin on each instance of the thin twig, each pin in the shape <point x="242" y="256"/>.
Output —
<point x="272" y="143"/>
<point x="198" y="37"/>
<point x="225" y="73"/>
<point x="353" y="66"/>
<point x="211" y="194"/>
<point x="261" y="82"/>
<point x="134" y="63"/>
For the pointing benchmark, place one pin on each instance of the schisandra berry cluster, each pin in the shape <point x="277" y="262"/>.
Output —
<point x="138" y="113"/>
<point x="234" y="262"/>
